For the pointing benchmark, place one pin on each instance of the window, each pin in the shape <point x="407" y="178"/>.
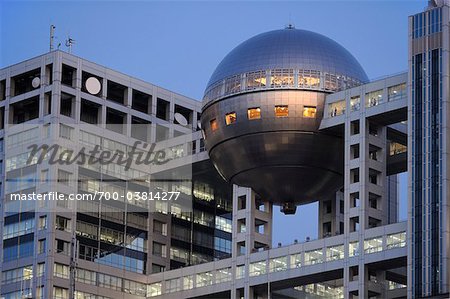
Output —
<point x="254" y="113"/>
<point x="374" y="98"/>
<point x="296" y="260"/>
<point x="223" y="224"/>
<point x="64" y="177"/>
<point x="309" y="111"/>
<point x="355" y="103"/>
<point x="230" y="118"/>
<point x="173" y="285"/>
<point x="60" y="293"/>
<point x="159" y="249"/>
<point x="240" y="271"/>
<point x="40" y="269"/>
<point x="335" y="253"/>
<point x="396" y="240"/>
<point x="313" y="257"/>
<point x="204" y="279"/>
<point x="373" y="245"/>
<point x="223" y="275"/>
<point x="41" y="246"/>
<point x="61" y="271"/>
<point x="86" y="276"/>
<point x="257" y="268"/>
<point x="336" y="108"/>
<point x="188" y="282"/>
<point x="214" y="125"/>
<point x="281" y="111"/>
<point x="223" y="245"/>
<point x="278" y="264"/>
<point x="65" y="132"/>
<point x="160" y="227"/>
<point x="396" y="92"/>
<point x="154" y="289"/>
<point x="62" y="223"/>
<point x="18" y="274"/>
<point x="110" y="282"/>
<point x="158" y="268"/>
<point x="43" y="222"/>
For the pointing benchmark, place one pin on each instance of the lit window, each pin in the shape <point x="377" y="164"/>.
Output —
<point x="230" y="118"/>
<point x="254" y="113"/>
<point x="214" y="125"/>
<point x="281" y="111"/>
<point x="309" y="111"/>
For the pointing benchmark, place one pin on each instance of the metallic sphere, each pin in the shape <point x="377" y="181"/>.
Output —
<point x="262" y="110"/>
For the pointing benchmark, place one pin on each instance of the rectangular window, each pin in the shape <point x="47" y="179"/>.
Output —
<point x="159" y="249"/>
<point x="396" y="92"/>
<point x="296" y="260"/>
<point x="373" y="245"/>
<point x="240" y="271"/>
<point x="43" y="222"/>
<point x="278" y="264"/>
<point x="258" y="268"/>
<point x="160" y="227"/>
<point x="61" y="271"/>
<point x="254" y="113"/>
<point x="374" y="98"/>
<point x="355" y="103"/>
<point x="41" y="246"/>
<point x="204" y="279"/>
<point x="309" y="111"/>
<point x="63" y="223"/>
<point x="230" y="118"/>
<point x="335" y="253"/>
<point x="281" y="111"/>
<point x="223" y="275"/>
<point x="313" y="257"/>
<point x="214" y="125"/>
<point x="396" y="240"/>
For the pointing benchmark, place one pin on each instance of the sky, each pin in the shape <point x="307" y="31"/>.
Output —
<point x="178" y="44"/>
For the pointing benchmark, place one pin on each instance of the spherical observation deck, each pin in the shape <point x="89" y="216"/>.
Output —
<point x="262" y="110"/>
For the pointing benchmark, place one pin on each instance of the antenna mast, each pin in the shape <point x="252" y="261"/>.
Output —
<point x="52" y="36"/>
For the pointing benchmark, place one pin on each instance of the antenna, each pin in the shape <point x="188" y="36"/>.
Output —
<point x="69" y="43"/>
<point x="52" y="36"/>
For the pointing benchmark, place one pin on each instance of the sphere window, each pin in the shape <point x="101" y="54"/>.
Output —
<point x="281" y="111"/>
<point x="309" y="111"/>
<point x="230" y="118"/>
<point x="214" y="125"/>
<point x="254" y="113"/>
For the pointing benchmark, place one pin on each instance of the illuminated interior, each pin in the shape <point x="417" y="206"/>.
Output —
<point x="309" y="111"/>
<point x="230" y="118"/>
<point x="254" y="113"/>
<point x="281" y="111"/>
<point x="214" y="125"/>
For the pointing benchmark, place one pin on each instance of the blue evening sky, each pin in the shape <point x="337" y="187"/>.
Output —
<point x="177" y="45"/>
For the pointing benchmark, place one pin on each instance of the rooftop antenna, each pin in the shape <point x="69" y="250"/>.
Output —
<point x="290" y="25"/>
<point x="69" y="43"/>
<point x="52" y="36"/>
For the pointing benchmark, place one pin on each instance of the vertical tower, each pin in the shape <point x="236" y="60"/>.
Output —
<point x="428" y="200"/>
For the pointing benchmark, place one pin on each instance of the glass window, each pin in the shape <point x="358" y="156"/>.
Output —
<point x="296" y="260"/>
<point x="335" y="253"/>
<point x="61" y="271"/>
<point x="396" y="92"/>
<point x="282" y="77"/>
<point x="160" y="227"/>
<point x="281" y="111"/>
<point x="240" y="271"/>
<point x="86" y="276"/>
<point x="373" y="245"/>
<point x="230" y="118"/>
<point x="188" y="282"/>
<point x="63" y="223"/>
<point x="154" y="289"/>
<point x="214" y="125"/>
<point x="223" y="275"/>
<point x="254" y="113"/>
<point x="336" y="108"/>
<point x="396" y="240"/>
<point x="60" y="293"/>
<point x="258" y="268"/>
<point x="353" y="249"/>
<point x="204" y="279"/>
<point x="173" y="285"/>
<point x="43" y="222"/>
<point x="255" y="80"/>
<point x="159" y="249"/>
<point x="374" y="98"/>
<point x="41" y="246"/>
<point x="313" y="257"/>
<point x="309" y="111"/>
<point x="355" y="103"/>
<point x="278" y="264"/>
<point x="223" y="224"/>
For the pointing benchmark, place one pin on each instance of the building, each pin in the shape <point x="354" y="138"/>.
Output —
<point x="215" y="241"/>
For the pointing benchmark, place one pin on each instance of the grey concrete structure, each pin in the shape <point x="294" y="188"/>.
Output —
<point x="216" y="241"/>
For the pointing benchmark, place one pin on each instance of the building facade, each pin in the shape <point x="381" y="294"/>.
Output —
<point x="215" y="240"/>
